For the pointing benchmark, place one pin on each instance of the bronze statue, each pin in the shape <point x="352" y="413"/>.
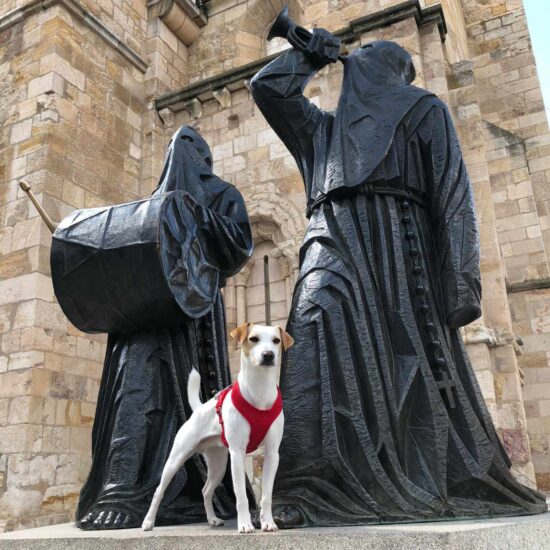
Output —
<point x="149" y="273"/>
<point x="385" y="421"/>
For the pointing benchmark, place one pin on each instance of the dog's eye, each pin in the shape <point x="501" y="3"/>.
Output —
<point x="254" y="339"/>
<point x="276" y="340"/>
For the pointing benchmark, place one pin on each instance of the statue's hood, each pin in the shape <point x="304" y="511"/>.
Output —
<point x="376" y="95"/>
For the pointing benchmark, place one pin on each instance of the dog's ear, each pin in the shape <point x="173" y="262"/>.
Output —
<point x="240" y="333"/>
<point x="286" y="339"/>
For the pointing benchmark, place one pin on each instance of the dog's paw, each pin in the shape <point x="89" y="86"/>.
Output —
<point x="147" y="524"/>
<point x="269" y="526"/>
<point x="246" y="527"/>
<point x="215" y="522"/>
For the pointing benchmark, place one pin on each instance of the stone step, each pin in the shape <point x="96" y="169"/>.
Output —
<point x="518" y="533"/>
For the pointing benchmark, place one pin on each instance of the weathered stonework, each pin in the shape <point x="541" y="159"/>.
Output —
<point x="90" y="94"/>
<point x="71" y="125"/>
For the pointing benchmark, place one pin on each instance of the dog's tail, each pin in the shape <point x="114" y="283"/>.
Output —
<point x="193" y="389"/>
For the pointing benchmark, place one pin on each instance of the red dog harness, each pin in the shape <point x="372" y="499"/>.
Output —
<point x="260" y="420"/>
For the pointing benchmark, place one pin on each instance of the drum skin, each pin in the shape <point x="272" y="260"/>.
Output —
<point x="131" y="266"/>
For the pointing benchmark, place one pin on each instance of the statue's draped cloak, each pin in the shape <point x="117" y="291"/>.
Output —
<point x="143" y="392"/>
<point x="389" y="269"/>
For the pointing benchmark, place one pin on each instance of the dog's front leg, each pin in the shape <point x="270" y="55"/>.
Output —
<point x="271" y="463"/>
<point x="239" y="485"/>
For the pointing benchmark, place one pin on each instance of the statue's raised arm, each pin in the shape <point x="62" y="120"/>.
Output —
<point x="278" y="90"/>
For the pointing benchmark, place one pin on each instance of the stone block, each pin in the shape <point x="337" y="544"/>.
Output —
<point x="53" y="62"/>
<point x="26" y="470"/>
<point x="81" y="440"/>
<point x="26" y="359"/>
<point x="493" y="24"/>
<point x="516" y="444"/>
<point x="544" y="407"/>
<point x="36" y="338"/>
<point x="21" y="131"/>
<point x="68" y="386"/>
<point x="532" y="119"/>
<point x="21" y="438"/>
<point x="56" y="439"/>
<point x="533" y="231"/>
<point x="133" y="118"/>
<point x="20" y="502"/>
<point x="26" y="410"/>
<point x="67" y="412"/>
<point x="65" y="344"/>
<point x="512" y="222"/>
<point x="539" y="164"/>
<point x="26" y="287"/>
<point x="222" y="151"/>
<point x="89" y="349"/>
<point x="48" y="413"/>
<point x="6" y="238"/>
<point x="18" y="167"/>
<point x="28" y="233"/>
<point x="41" y="381"/>
<point x="233" y="164"/>
<point x="4" y="406"/>
<point x="25" y="314"/>
<point x="267" y="137"/>
<point x="486" y="383"/>
<point x="15" y="264"/>
<point x="49" y="315"/>
<point x="11" y="342"/>
<point x="245" y="143"/>
<point x="46" y="84"/>
<point x="15" y="383"/>
<point x="536" y="392"/>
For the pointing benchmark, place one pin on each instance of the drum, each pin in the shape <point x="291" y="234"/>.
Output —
<point x="131" y="266"/>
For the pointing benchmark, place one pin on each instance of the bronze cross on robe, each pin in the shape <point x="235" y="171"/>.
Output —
<point x="446" y="385"/>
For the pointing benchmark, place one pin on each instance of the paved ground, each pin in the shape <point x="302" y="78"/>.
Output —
<point x="528" y="532"/>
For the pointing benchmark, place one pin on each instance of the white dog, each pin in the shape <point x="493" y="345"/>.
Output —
<point x="244" y="416"/>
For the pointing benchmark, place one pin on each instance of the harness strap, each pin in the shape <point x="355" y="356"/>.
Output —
<point x="260" y="420"/>
<point x="221" y="397"/>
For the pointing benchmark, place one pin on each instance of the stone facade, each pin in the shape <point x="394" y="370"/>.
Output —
<point x="90" y="93"/>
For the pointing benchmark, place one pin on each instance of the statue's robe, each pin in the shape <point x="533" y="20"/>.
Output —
<point x="143" y="392"/>
<point x="389" y="270"/>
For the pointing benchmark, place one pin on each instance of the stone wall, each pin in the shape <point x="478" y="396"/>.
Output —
<point x="517" y="138"/>
<point x="71" y="126"/>
<point x="78" y="124"/>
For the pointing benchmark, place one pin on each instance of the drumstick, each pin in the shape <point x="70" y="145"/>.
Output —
<point x="44" y="215"/>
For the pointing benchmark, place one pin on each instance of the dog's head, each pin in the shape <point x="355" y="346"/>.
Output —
<point x="262" y="345"/>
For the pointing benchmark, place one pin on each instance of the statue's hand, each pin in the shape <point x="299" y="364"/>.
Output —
<point x="199" y="211"/>
<point x="194" y="189"/>
<point x="323" y="48"/>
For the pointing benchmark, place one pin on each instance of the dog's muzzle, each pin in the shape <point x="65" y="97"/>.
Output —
<point x="268" y="359"/>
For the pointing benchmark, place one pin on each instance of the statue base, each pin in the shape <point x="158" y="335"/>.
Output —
<point x="525" y="532"/>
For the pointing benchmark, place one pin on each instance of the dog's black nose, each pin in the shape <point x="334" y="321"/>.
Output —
<point x="267" y="357"/>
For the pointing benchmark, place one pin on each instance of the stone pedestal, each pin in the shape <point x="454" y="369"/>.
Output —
<point x="528" y="532"/>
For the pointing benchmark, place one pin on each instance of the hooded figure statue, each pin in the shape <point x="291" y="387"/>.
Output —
<point x="142" y="398"/>
<point x="385" y="420"/>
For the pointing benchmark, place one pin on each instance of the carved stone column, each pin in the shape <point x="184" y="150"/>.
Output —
<point x="230" y="301"/>
<point x="240" y="293"/>
<point x="289" y="289"/>
<point x="240" y="288"/>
